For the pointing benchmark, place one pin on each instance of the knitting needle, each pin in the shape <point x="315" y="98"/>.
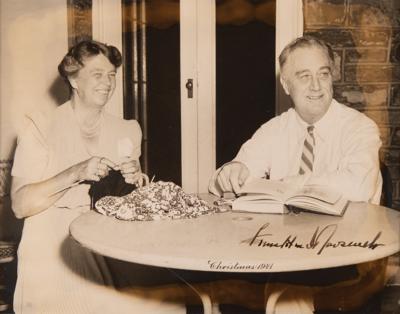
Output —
<point x="66" y="188"/>
<point x="79" y="182"/>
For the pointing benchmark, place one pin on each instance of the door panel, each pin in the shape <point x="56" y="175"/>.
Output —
<point x="227" y="48"/>
<point x="245" y="75"/>
<point x="163" y="103"/>
<point x="151" y="40"/>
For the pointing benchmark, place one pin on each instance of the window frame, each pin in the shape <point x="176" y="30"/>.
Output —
<point x="198" y="121"/>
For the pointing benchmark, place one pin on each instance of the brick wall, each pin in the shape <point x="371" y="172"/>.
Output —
<point x="365" y="35"/>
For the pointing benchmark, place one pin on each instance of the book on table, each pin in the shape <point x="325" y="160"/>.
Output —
<point x="271" y="196"/>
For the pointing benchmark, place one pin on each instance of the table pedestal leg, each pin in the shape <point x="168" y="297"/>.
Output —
<point x="272" y="295"/>
<point x="293" y="299"/>
<point x="208" y="306"/>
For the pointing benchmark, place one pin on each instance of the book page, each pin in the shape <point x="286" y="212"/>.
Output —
<point x="319" y="192"/>
<point x="316" y="205"/>
<point x="252" y="203"/>
<point x="277" y="190"/>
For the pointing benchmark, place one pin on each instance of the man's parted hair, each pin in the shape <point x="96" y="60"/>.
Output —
<point x="305" y="41"/>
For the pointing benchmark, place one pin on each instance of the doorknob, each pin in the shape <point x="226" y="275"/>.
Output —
<point x="189" y="87"/>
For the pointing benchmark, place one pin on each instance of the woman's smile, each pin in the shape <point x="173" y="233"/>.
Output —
<point x="95" y="82"/>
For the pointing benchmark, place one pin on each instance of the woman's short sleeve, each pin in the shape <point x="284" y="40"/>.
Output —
<point x="130" y="143"/>
<point x="136" y="137"/>
<point x="31" y="155"/>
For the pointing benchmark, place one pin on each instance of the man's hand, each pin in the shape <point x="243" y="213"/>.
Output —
<point x="230" y="178"/>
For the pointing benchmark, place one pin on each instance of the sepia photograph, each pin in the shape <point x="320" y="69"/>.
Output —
<point x="200" y="156"/>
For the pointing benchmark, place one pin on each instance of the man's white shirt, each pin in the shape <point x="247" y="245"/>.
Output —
<point x="346" y="153"/>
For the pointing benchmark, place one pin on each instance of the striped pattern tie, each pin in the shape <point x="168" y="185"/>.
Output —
<point x="307" y="157"/>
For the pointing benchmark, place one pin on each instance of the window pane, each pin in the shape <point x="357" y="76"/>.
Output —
<point x="163" y="64"/>
<point x="152" y="47"/>
<point x="245" y="71"/>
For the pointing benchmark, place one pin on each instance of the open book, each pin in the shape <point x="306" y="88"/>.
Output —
<point x="269" y="196"/>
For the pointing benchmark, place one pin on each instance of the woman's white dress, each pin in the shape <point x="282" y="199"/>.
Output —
<point x="55" y="274"/>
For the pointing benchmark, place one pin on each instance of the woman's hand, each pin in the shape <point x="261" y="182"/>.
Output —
<point x="94" y="169"/>
<point x="130" y="170"/>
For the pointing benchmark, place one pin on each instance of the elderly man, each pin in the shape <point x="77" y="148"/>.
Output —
<point x="319" y="141"/>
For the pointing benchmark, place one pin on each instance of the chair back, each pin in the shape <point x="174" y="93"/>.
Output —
<point x="387" y="186"/>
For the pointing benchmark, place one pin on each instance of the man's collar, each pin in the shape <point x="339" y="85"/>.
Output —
<point x="301" y="127"/>
<point x="323" y="127"/>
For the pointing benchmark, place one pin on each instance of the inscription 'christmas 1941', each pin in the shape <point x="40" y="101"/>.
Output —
<point x="236" y="266"/>
<point x="321" y="239"/>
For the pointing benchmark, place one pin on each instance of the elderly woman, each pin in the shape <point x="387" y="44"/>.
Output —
<point x="56" y="156"/>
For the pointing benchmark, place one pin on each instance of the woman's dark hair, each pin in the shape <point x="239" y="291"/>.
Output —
<point x="74" y="59"/>
<point x="305" y="41"/>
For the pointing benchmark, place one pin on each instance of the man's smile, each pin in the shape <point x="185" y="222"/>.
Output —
<point x="315" y="97"/>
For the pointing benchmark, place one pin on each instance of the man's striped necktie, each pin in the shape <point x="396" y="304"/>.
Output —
<point x="307" y="157"/>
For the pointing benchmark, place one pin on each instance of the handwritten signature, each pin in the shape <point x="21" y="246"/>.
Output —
<point x="321" y="239"/>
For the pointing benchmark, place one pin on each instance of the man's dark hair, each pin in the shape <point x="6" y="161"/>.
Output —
<point x="304" y="42"/>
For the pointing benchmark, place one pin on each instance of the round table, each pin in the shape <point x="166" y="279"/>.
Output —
<point x="246" y="242"/>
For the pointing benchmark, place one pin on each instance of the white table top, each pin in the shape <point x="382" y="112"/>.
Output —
<point x="240" y="242"/>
